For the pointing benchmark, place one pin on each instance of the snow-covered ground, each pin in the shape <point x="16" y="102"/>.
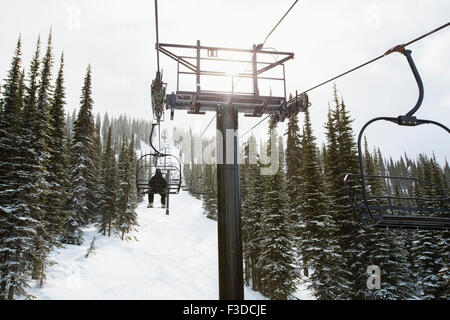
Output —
<point x="174" y="258"/>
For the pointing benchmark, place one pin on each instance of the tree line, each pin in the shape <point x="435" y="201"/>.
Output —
<point x="298" y="225"/>
<point x="58" y="172"/>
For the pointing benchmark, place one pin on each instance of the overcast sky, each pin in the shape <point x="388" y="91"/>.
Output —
<point x="117" y="38"/>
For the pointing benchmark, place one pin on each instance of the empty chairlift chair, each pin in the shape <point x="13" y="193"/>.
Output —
<point x="417" y="203"/>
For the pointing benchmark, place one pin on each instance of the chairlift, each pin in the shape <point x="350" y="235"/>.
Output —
<point x="421" y="210"/>
<point x="170" y="167"/>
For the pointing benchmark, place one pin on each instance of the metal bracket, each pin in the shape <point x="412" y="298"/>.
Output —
<point x="410" y="121"/>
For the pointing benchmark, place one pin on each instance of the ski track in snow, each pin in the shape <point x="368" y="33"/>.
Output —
<point x="175" y="258"/>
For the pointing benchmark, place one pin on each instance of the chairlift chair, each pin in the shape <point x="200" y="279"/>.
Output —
<point x="170" y="167"/>
<point x="418" y="211"/>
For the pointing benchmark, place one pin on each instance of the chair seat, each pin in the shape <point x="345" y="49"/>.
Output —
<point x="413" y="222"/>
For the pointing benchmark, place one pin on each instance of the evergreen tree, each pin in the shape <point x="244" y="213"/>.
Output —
<point x="275" y="262"/>
<point x="317" y="246"/>
<point x="44" y="101"/>
<point x="95" y="186"/>
<point x="18" y="229"/>
<point x="385" y="247"/>
<point x="245" y="162"/>
<point x="443" y="291"/>
<point x="209" y="198"/>
<point x="252" y="212"/>
<point x="427" y="263"/>
<point x="81" y="167"/>
<point x="351" y="234"/>
<point x="42" y="144"/>
<point x="337" y="284"/>
<point x="429" y="259"/>
<point x="58" y="171"/>
<point x="110" y="187"/>
<point x="293" y="155"/>
<point x="105" y="127"/>
<point x="293" y="183"/>
<point x="447" y="173"/>
<point x="127" y="201"/>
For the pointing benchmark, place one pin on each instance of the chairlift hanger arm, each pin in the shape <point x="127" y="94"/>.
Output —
<point x="407" y="54"/>
<point x="157" y="152"/>
<point x="157" y="33"/>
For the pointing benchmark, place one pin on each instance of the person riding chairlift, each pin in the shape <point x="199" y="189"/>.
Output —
<point x="157" y="186"/>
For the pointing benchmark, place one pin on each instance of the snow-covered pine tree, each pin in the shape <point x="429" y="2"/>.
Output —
<point x="127" y="218"/>
<point x="337" y="284"/>
<point x="350" y="232"/>
<point x="293" y="182"/>
<point x="442" y="238"/>
<point x="276" y="261"/>
<point x="42" y="147"/>
<point x="209" y="199"/>
<point x="197" y="180"/>
<point x="44" y="101"/>
<point x="427" y="254"/>
<point x="18" y="229"/>
<point x="105" y="127"/>
<point x="70" y="120"/>
<point x="137" y="143"/>
<point x="443" y="291"/>
<point x="68" y="126"/>
<point x="72" y="124"/>
<point x="245" y="161"/>
<point x="293" y="154"/>
<point x="109" y="179"/>
<point x="252" y="211"/>
<point x="95" y="186"/>
<point x="58" y="170"/>
<point x="376" y="244"/>
<point x="316" y="244"/>
<point x="426" y="262"/>
<point x="31" y="171"/>
<point x="81" y="167"/>
<point x="381" y="168"/>
<point x="386" y="248"/>
<point x="447" y="173"/>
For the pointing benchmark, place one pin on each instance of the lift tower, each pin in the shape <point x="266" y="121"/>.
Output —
<point x="245" y="68"/>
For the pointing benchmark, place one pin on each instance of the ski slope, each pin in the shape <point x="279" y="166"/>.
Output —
<point x="175" y="258"/>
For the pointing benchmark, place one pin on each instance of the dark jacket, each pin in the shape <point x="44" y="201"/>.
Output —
<point x="157" y="183"/>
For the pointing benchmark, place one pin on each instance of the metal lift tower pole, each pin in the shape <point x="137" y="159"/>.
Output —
<point x="231" y="283"/>
<point x="228" y="105"/>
